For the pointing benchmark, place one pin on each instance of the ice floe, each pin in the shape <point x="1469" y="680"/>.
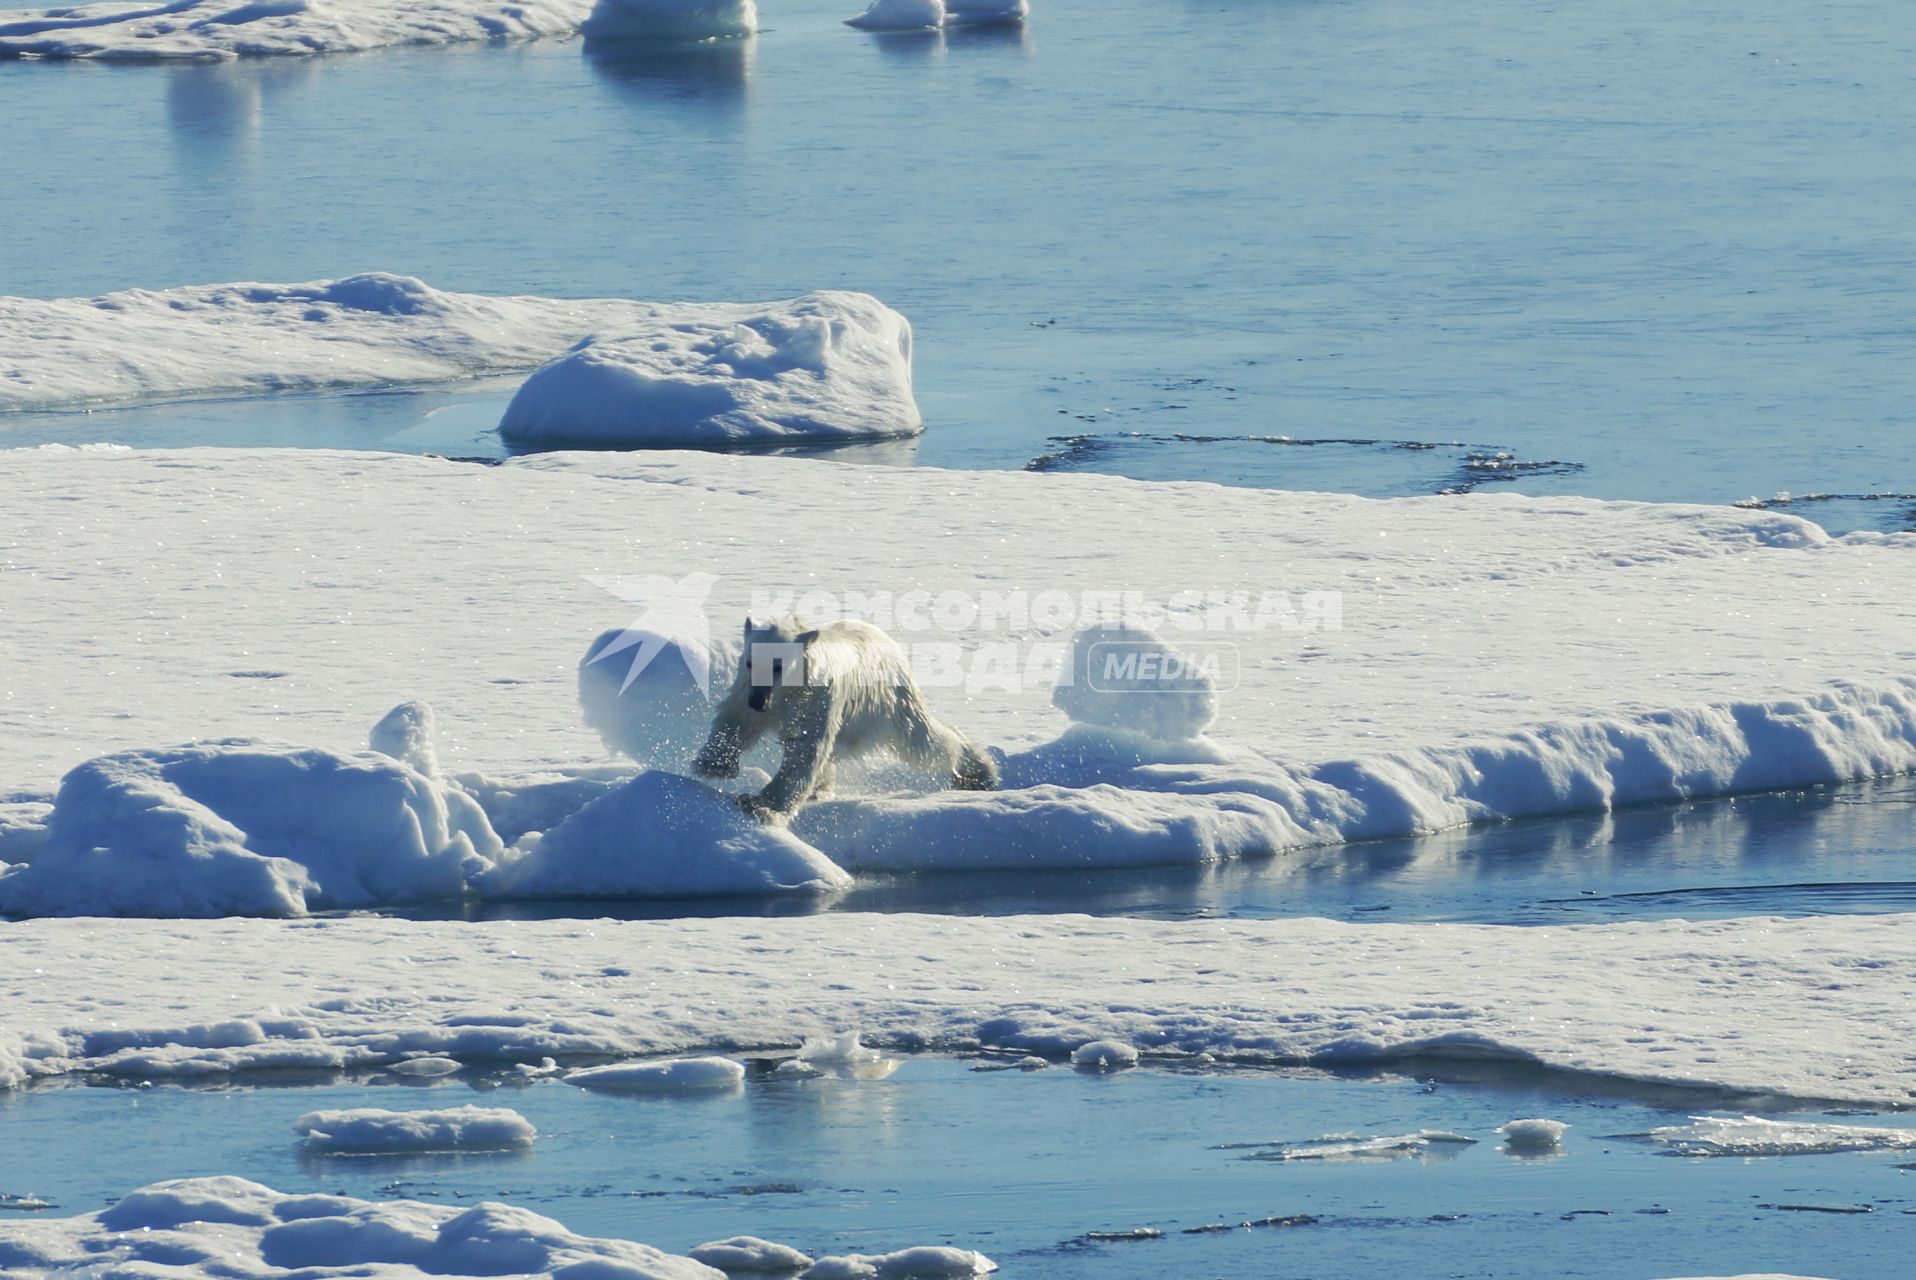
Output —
<point x="373" y="1131"/>
<point x="1756" y="1136"/>
<point x="827" y="365"/>
<point x="1338" y="1148"/>
<point x="927" y="1262"/>
<point x="919" y="15"/>
<point x="824" y="368"/>
<point x="230" y="1226"/>
<point x="751" y="1254"/>
<point x="1533" y="1137"/>
<point x="215" y="29"/>
<point x="360" y="992"/>
<point x="675" y="1075"/>
<point x="1542" y="675"/>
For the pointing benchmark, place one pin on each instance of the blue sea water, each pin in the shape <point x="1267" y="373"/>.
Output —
<point x="1025" y="1166"/>
<point x="1630" y="250"/>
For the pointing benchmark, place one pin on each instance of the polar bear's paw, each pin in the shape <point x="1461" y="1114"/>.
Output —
<point x="759" y="811"/>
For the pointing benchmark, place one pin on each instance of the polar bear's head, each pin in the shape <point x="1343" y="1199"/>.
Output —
<point x="773" y="657"/>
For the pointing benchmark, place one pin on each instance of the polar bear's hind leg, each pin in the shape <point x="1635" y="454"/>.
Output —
<point x="930" y="745"/>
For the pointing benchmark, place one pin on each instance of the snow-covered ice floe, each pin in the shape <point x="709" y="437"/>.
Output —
<point x="824" y="366"/>
<point x="1675" y="1007"/>
<point x="1756" y="1136"/>
<point x="1491" y="658"/>
<point x="214" y="29"/>
<point x="373" y="1131"/>
<point x="232" y="1227"/>
<point x="918" y="15"/>
<point x="248" y="828"/>
<point x="229" y="1226"/>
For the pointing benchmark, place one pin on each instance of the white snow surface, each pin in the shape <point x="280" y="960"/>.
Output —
<point x="374" y="1131"/>
<point x="1676" y="1006"/>
<point x="827" y="367"/>
<point x="377" y="329"/>
<point x="231" y="1227"/>
<point x="1756" y="1136"/>
<point x="218" y="29"/>
<point x="670" y="19"/>
<point x="674" y="1075"/>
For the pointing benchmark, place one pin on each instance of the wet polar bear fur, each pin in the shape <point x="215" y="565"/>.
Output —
<point x="833" y="693"/>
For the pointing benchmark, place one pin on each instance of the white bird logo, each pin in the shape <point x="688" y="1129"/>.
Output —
<point x="673" y="612"/>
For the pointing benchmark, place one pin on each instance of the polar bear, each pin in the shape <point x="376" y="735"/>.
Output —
<point x="832" y="692"/>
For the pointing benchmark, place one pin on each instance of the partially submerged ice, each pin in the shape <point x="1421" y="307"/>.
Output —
<point x="919" y="15"/>
<point x="655" y="20"/>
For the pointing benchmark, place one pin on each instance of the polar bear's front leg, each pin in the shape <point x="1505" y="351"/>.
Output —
<point x="809" y="742"/>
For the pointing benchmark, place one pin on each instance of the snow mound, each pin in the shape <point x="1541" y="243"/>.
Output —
<point x="918" y="15"/>
<point x="922" y="1263"/>
<point x="1128" y="678"/>
<point x="837" y="1051"/>
<point x="426" y="1067"/>
<point x="405" y="734"/>
<point x="1105" y="1055"/>
<point x="750" y="1254"/>
<point x="676" y="1075"/>
<point x="229" y="1226"/>
<point x="246" y="828"/>
<point x="669" y="19"/>
<point x="371" y="1131"/>
<point x="1755" y="1136"/>
<point x="1531" y="1136"/>
<point x="660" y="835"/>
<point x="378" y="329"/>
<point x="824" y="367"/>
<point x="646" y="694"/>
<point x="215" y="29"/>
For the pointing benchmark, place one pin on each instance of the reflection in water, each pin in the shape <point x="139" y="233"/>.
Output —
<point x="910" y="46"/>
<point x="700" y="74"/>
<point x="214" y="110"/>
<point x="993" y="35"/>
